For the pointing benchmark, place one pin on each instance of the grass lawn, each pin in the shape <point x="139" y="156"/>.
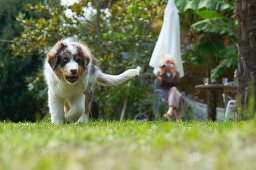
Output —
<point x="128" y="145"/>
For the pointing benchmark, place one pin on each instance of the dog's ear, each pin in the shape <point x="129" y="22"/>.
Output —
<point x="53" y="55"/>
<point x="53" y="61"/>
<point x="85" y="53"/>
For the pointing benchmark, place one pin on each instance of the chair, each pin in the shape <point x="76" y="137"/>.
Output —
<point x="159" y="100"/>
<point x="230" y="109"/>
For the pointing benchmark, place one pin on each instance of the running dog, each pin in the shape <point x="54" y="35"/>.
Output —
<point x="70" y="71"/>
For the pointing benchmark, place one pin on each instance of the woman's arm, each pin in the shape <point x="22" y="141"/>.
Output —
<point x="159" y="79"/>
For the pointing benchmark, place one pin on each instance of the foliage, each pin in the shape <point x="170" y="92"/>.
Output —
<point x="213" y="36"/>
<point x="16" y="102"/>
<point x="128" y="145"/>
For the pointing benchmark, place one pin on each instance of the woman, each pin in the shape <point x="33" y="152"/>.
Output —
<point x="168" y="79"/>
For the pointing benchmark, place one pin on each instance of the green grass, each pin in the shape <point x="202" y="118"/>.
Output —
<point x="128" y="145"/>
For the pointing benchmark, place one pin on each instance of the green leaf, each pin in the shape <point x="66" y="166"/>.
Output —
<point x="213" y="5"/>
<point x="191" y="5"/>
<point x="229" y="60"/>
<point x="77" y="8"/>
<point x="228" y="52"/>
<point x="20" y="17"/>
<point x="215" y="25"/>
<point x="207" y="14"/>
<point x="205" y="4"/>
<point x="28" y="7"/>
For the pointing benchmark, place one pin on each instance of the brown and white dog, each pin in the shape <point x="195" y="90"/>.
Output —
<point x="70" y="71"/>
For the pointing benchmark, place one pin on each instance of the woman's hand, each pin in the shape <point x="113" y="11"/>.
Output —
<point x="162" y="71"/>
<point x="159" y="78"/>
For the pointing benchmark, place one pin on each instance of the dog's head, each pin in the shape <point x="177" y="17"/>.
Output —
<point x="69" y="60"/>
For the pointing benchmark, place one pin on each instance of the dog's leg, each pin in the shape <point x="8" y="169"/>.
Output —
<point x="76" y="109"/>
<point x="87" y="104"/>
<point x="84" y="118"/>
<point x="56" y="106"/>
<point x="66" y="107"/>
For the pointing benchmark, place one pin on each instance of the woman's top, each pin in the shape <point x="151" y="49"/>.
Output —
<point x="168" y="80"/>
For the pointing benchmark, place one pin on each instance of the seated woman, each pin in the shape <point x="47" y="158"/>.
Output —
<point x="168" y="78"/>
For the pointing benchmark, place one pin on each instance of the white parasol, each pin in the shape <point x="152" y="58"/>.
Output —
<point x="168" y="43"/>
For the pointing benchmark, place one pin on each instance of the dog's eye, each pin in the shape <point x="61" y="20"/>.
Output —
<point x="78" y="59"/>
<point x="65" y="59"/>
<point x="67" y="54"/>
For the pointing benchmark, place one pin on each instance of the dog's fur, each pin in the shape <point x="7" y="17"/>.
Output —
<point x="70" y="72"/>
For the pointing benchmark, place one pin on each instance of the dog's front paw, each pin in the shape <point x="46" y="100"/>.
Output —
<point x="73" y="114"/>
<point x="83" y="119"/>
<point x="58" y="121"/>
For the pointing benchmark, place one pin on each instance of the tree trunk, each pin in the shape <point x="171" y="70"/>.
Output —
<point x="246" y="15"/>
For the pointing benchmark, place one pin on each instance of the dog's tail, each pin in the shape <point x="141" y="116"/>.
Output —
<point x="110" y="80"/>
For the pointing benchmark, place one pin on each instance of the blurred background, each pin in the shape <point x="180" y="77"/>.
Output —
<point x="122" y="35"/>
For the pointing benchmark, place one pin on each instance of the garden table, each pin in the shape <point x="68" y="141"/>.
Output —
<point x="212" y="90"/>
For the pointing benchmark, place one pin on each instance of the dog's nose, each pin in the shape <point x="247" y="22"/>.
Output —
<point x="73" y="71"/>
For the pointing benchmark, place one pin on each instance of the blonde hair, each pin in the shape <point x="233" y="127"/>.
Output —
<point x="171" y="61"/>
<point x="168" y="61"/>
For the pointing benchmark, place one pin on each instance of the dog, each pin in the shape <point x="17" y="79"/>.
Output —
<point x="70" y="72"/>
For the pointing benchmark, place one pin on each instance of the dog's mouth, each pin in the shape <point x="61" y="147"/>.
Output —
<point x="71" y="79"/>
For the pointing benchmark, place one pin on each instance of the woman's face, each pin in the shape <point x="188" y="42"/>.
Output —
<point x="171" y="67"/>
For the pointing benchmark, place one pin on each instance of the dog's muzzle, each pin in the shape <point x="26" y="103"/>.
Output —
<point x="72" y="79"/>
